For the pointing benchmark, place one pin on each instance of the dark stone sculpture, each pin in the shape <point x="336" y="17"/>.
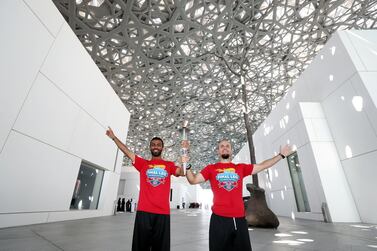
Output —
<point x="257" y="212"/>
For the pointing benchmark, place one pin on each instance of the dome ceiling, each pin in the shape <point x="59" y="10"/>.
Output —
<point x="171" y="61"/>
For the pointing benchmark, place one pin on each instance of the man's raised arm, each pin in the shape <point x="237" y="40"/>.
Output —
<point x="120" y="145"/>
<point x="194" y="178"/>
<point x="284" y="152"/>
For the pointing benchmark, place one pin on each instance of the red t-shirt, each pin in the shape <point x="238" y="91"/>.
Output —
<point x="154" y="184"/>
<point x="226" y="182"/>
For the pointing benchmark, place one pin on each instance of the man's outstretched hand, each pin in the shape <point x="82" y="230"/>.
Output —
<point x="110" y="133"/>
<point x="286" y="150"/>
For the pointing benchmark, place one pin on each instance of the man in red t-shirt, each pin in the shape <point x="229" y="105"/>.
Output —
<point x="152" y="221"/>
<point x="228" y="227"/>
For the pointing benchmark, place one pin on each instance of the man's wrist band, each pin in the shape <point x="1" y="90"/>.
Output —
<point x="188" y="167"/>
<point x="282" y="156"/>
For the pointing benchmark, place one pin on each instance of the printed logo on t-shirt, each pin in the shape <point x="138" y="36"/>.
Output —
<point x="156" y="175"/>
<point x="227" y="178"/>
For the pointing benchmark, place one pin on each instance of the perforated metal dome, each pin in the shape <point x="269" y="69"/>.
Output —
<point x="171" y="61"/>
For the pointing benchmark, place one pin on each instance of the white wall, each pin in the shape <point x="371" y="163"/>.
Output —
<point x="55" y="106"/>
<point x="131" y="178"/>
<point x="334" y="135"/>
<point x="183" y="192"/>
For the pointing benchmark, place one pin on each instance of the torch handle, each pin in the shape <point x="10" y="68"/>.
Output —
<point x="184" y="149"/>
<point x="184" y="153"/>
<point x="184" y="165"/>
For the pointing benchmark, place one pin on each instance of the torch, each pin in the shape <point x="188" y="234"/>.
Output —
<point x="184" y="131"/>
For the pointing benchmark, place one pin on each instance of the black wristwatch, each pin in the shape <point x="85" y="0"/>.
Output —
<point x="282" y="156"/>
<point x="188" y="167"/>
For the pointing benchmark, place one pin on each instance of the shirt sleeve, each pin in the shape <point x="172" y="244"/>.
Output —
<point x="173" y="169"/>
<point x="247" y="169"/>
<point x="206" y="172"/>
<point x="139" y="163"/>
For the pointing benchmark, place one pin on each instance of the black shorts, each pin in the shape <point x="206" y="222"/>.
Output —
<point x="151" y="232"/>
<point x="228" y="234"/>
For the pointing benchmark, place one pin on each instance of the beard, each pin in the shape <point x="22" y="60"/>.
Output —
<point x="156" y="153"/>
<point x="225" y="156"/>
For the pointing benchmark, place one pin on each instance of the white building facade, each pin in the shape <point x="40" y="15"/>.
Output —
<point x="55" y="106"/>
<point x="330" y="117"/>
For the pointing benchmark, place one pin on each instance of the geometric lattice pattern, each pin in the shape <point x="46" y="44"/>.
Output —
<point x="172" y="60"/>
